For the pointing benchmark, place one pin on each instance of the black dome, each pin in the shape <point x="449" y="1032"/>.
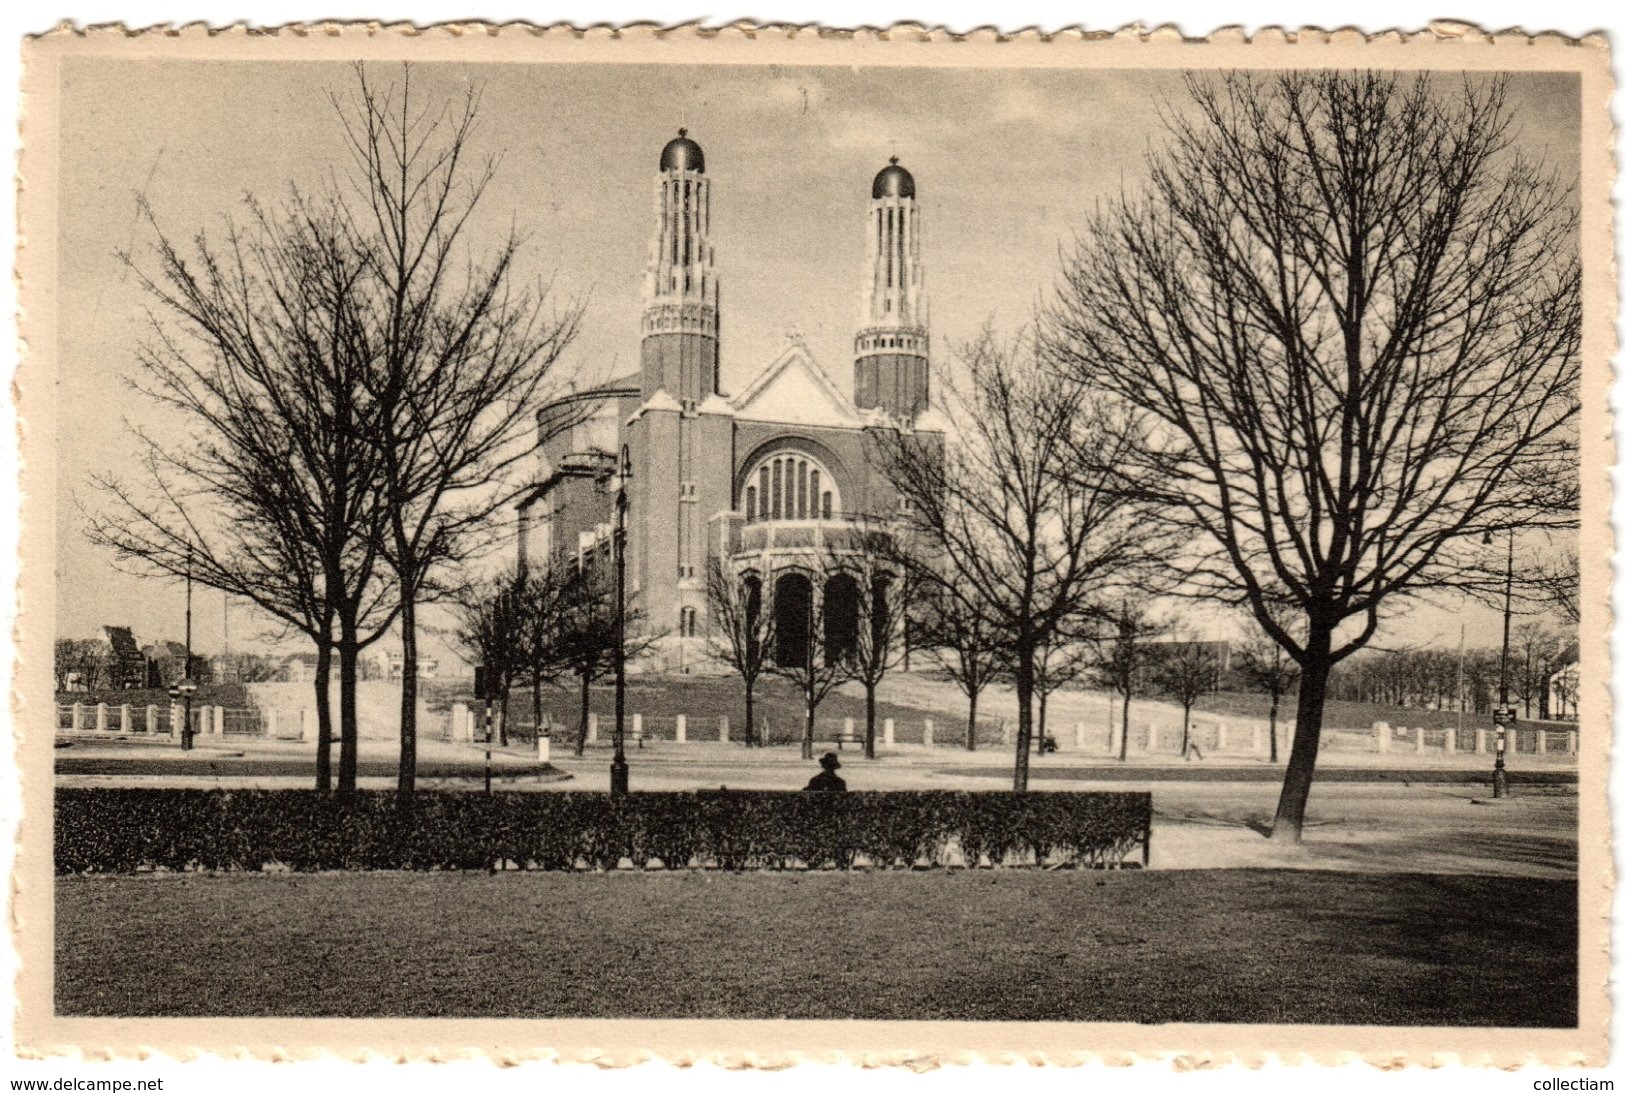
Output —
<point x="682" y="154"/>
<point x="893" y="181"/>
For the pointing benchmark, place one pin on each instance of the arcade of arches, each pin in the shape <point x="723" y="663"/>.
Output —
<point x="796" y="614"/>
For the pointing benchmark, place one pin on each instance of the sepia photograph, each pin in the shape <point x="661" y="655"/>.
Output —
<point x="768" y="534"/>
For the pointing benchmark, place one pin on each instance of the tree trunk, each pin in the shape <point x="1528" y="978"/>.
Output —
<point x="502" y="713"/>
<point x="1275" y="708"/>
<point x="1025" y="657"/>
<point x="1185" y="736"/>
<point x="349" y="734"/>
<point x="807" y="727"/>
<point x="970" y="727"/>
<point x="536" y="703"/>
<point x="324" y="718"/>
<point x="750" y="711"/>
<point x="1122" y="741"/>
<point x="1300" y="768"/>
<point x="407" y="780"/>
<point x="581" y="733"/>
<point x="1043" y="719"/>
<point x="869" y="726"/>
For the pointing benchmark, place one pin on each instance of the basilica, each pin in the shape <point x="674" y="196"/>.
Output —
<point x="756" y="479"/>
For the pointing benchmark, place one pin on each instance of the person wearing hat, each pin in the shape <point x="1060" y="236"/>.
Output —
<point x="828" y="780"/>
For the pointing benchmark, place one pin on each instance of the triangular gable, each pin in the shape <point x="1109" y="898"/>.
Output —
<point x="794" y="388"/>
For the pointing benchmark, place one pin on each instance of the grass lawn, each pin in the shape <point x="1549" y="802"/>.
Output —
<point x="1208" y="946"/>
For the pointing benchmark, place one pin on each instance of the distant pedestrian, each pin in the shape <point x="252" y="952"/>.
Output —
<point x="828" y="780"/>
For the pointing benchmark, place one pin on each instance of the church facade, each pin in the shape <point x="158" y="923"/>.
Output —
<point x="759" y="479"/>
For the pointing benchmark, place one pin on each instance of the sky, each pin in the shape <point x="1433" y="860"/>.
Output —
<point x="1008" y="165"/>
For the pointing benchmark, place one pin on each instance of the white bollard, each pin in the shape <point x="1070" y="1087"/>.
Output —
<point x="722" y="728"/>
<point x="592" y="728"/>
<point x="1450" y="741"/>
<point x="1540" y="741"/>
<point x="846" y="728"/>
<point x="1223" y="732"/>
<point x="889" y="731"/>
<point x="637" y="728"/>
<point x="78" y="721"/>
<point x="124" y="718"/>
<point x="1480" y="743"/>
<point x="220" y="721"/>
<point x="1421" y="739"/>
<point x="1385" y="736"/>
<point x="1512" y="741"/>
<point x="682" y="728"/>
<point x="101" y="717"/>
<point x="177" y="718"/>
<point x="544" y="748"/>
<point x="152" y="720"/>
<point x="926" y="734"/>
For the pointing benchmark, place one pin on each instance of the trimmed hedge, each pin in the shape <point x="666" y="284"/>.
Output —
<point x="131" y="830"/>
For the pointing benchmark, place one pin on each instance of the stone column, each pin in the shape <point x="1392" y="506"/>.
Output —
<point x="1421" y="740"/>
<point x="220" y="721"/>
<point x="1540" y="741"/>
<point x="77" y="721"/>
<point x="637" y="728"/>
<point x="152" y="720"/>
<point x="846" y="728"/>
<point x="544" y="748"/>
<point x="1223" y="732"/>
<point x="1385" y="736"/>
<point x="101" y="717"/>
<point x="1480" y="743"/>
<point x="889" y="731"/>
<point x="682" y="728"/>
<point x="1450" y="741"/>
<point x="1512" y="741"/>
<point x="124" y="718"/>
<point x="927" y="732"/>
<point x="722" y="728"/>
<point x="592" y="728"/>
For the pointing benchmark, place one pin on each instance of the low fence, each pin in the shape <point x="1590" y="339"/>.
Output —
<point x="1151" y="736"/>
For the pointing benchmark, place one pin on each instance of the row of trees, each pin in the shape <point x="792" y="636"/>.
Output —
<point x="1326" y="353"/>
<point x="349" y="383"/>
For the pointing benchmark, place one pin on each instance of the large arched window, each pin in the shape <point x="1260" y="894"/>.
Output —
<point x="790" y="485"/>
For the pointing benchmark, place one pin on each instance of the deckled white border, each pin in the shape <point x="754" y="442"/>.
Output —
<point x="900" y="33"/>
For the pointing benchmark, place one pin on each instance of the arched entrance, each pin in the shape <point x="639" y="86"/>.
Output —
<point x="840" y="618"/>
<point x="792" y="615"/>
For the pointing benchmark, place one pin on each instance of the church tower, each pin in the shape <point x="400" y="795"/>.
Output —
<point x="892" y="359"/>
<point x="679" y="352"/>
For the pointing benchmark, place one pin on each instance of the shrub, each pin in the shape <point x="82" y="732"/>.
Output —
<point x="128" y="830"/>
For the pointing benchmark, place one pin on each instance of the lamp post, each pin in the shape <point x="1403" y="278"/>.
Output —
<point x="186" y="688"/>
<point x="619" y="775"/>
<point x="1505" y="716"/>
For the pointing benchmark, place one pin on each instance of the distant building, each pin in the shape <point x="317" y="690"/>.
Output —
<point x="776" y="472"/>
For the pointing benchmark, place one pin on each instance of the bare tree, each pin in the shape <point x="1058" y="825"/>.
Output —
<point x="1060" y="662"/>
<point x="268" y="490"/>
<point x="876" y="557"/>
<point x="1267" y="666"/>
<point x="1351" y="310"/>
<point x="462" y="355"/>
<point x="741" y="628"/>
<point x="492" y="628"/>
<point x="1023" y="508"/>
<point x="1185" y="668"/>
<point x="1122" y="657"/>
<point x="812" y="658"/>
<point x="964" y="644"/>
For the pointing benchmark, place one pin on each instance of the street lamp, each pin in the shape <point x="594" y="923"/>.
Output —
<point x="1505" y="716"/>
<point x="619" y="775"/>
<point x="185" y="689"/>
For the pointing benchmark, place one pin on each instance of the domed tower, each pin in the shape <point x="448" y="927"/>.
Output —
<point x="891" y="369"/>
<point x="679" y="352"/>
